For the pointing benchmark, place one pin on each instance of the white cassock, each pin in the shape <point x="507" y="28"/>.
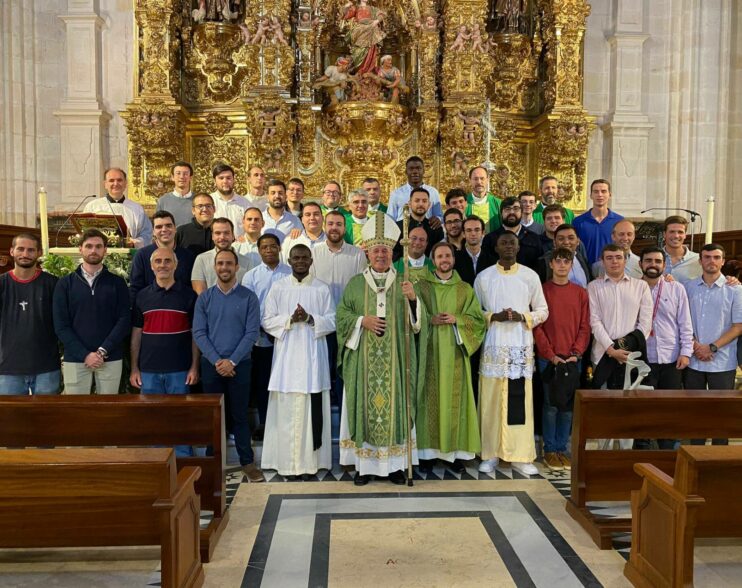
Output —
<point x="300" y="368"/>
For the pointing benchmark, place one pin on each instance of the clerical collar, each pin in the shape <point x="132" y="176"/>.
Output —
<point x="359" y="221"/>
<point x="378" y="275"/>
<point x="481" y="200"/>
<point x="441" y="280"/>
<point x="113" y="201"/>
<point x="419" y="262"/>
<point x="502" y="270"/>
<point x="305" y="282"/>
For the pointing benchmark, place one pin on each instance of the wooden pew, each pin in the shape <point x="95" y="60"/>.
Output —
<point x="86" y="497"/>
<point x="637" y="414"/>
<point x="130" y="420"/>
<point x="701" y="500"/>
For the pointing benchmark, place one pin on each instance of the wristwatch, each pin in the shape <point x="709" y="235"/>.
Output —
<point x="102" y="353"/>
<point x="713" y="348"/>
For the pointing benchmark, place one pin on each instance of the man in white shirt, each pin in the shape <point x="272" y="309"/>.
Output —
<point x="256" y="187"/>
<point x="312" y="234"/>
<point x="276" y="216"/>
<point x="294" y="196"/>
<point x="115" y="202"/>
<point x="179" y="202"/>
<point x="415" y="170"/>
<point x="246" y="246"/>
<point x="204" y="274"/>
<point x="228" y="203"/>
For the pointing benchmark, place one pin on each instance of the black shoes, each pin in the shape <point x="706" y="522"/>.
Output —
<point x="397" y="478"/>
<point x="360" y="480"/>
<point x="457" y="467"/>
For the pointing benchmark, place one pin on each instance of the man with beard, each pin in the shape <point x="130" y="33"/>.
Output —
<point x="623" y="235"/>
<point x="299" y="314"/>
<point x="276" y="216"/>
<point x="453" y="221"/>
<point x="358" y="205"/>
<point x="419" y="207"/>
<point x="142" y="274"/>
<point x="548" y="188"/>
<point x="528" y="204"/>
<point x="596" y="225"/>
<point x="680" y="261"/>
<point x="260" y="279"/>
<point x="481" y="202"/>
<point x="29" y="353"/>
<point x="226" y="325"/>
<point x="228" y="203"/>
<point x="256" y="188"/>
<point x="196" y="235"/>
<point x="514" y="304"/>
<point x="295" y="196"/>
<point x="529" y="244"/>
<point x="180" y="201"/>
<point x="370" y="324"/>
<point x="417" y="261"/>
<point x="670" y="342"/>
<point x="92" y="318"/>
<point x="246" y="246"/>
<point x="335" y="263"/>
<point x="373" y="189"/>
<point x="415" y="171"/>
<point x="446" y="419"/>
<point x="204" y="271"/>
<point x="312" y="219"/>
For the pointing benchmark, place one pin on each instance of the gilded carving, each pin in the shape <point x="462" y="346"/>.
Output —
<point x="208" y="151"/>
<point x="217" y="124"/>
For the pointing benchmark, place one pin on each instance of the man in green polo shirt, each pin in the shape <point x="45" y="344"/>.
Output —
<point x="480" y="201"/>
<point x="548" y="188"/>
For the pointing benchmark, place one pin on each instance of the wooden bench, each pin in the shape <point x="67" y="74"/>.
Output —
<point x="86" y="497"/>
<point x="637" y="414"/>
<point x="130" y="420"/>
<point x="701" y="500"/>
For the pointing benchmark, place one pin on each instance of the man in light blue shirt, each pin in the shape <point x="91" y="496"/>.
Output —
<point x="415" y="170"/>
<point x="716" y="312"/>
<point x="260" y="279"/>
<point x="276" y="216"/>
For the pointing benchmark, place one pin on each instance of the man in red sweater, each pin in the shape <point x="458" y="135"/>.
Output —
<point x="563" y="338"/>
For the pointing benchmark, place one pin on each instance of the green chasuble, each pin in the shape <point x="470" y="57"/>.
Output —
<point x="490" y="215"/>
<point x="446" y="414"/>
<point x="381" y="208"/>
<point x="415" y="272"/>
<point x="374" y="373"/>
<point x="538" y="214"/>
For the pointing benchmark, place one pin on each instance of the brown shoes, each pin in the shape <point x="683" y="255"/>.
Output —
<point x="253" y="473"/>
<point x="553" y="461"/>
<point x="566" y="463"/>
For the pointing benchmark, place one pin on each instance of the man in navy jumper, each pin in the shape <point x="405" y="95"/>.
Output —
<point x="92" y="319"/>
<point x="226" y="325"/>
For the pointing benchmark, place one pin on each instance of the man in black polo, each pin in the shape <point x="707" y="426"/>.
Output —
<point x="164" y="357"/>
<point x="196" y="235"/>
<point x="530" y="248"/>
<point x="29" y="354"/>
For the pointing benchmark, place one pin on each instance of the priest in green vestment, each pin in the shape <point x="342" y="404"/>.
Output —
<point x="371" y="358"/>
<point x="480" y="201"/>
<point x="446" y="417"/>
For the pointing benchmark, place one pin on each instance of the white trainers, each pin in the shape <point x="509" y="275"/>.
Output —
<point x="488" y="465"/>
<point x="527" y="469"/>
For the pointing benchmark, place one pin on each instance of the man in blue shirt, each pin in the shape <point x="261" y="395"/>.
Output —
<point x="226" y="325"/>
<point x="594" y="227"/>
<point x="260" y="279"/>
<point x="716" y="313"/>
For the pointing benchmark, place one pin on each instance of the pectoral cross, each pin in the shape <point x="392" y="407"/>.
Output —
<point x="23" y="305"/>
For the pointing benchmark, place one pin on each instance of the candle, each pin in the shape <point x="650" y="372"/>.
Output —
<point x="44" y="220"/>
<point x="709" y="219"/>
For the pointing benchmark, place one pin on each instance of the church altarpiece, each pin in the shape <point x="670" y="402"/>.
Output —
<point x="333" y="89"/>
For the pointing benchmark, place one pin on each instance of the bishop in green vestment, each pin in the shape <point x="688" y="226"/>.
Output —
<point x="371" y="357"/>
<point x="446" y="418"/>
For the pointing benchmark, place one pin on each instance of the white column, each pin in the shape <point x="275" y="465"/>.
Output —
<point x="627" y="127"/>
<point x="84" y="121"/>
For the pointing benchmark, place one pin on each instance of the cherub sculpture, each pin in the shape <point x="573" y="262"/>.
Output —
<point x="268" y="121"/>
<point x="462" y="36"/>
<point x="215" y="10"/>
<point x="261" y="34"/>
<point x="471" y="125"/>
<point x="277" y="30"/>
<point x="477" y="42"/>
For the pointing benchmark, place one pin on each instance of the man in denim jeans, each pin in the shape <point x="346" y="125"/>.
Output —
<point x="563" y="337"/>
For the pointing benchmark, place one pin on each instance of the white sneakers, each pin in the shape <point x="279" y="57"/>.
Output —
<point x="488" y="465"/>
<point x="527" y="469"/>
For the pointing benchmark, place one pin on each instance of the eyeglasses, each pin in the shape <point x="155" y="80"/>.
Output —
<point x="203" y="206"/>
<point x="334" y="192"/>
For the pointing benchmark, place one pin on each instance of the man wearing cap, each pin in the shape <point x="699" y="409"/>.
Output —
<point x="372" y="348"/>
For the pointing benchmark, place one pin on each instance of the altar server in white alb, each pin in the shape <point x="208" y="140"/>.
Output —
<point x="299" y="313"/>
<point x="115" y="202"/>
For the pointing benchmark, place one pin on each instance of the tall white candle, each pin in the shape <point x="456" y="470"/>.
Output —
<point x="709" y="219"/>
<point x="44" y="220"/>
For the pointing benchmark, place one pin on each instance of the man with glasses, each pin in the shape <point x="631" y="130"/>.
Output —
<point x="358" y="202"/>
<point x="196" y="235"/>
<point x="332" y="195"/>
<point x="453" y="222"/>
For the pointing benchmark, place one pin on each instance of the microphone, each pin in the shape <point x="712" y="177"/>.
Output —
<point x="693" y="214"/>
<point x="124" y="234"/>
<point x="59" y="230"/>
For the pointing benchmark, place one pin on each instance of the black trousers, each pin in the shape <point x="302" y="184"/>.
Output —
<point x="262" y="360"/>
<point x="695" y="380"/>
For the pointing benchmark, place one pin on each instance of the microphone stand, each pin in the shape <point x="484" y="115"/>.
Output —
<point x="59" y="230"/>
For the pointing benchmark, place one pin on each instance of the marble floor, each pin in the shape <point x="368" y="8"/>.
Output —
<point x="469" y="529"/>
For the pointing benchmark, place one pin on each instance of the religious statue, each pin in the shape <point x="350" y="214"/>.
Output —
<point x="462" y="36"/>
<point x="508" y="15"/>
<point x="429" y="24"/>
<point x="336" y="80"/>
<point x="216" y="10"/>
<point x="477" y="42"/>
<point x="267" y="120"/>
<point x="459" y="163"/>
<point x="364" y="34"/>
<point x="389" y="78"/>
<point x="471" y="125"/>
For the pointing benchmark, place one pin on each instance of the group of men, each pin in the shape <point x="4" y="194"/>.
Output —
<point x="300" y="304"/>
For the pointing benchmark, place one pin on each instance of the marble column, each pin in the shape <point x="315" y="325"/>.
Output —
<point x="627" y="127"/>
<point x="83" y="119"/>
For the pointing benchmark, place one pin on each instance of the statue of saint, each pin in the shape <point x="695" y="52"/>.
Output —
<point x="216" y="10"/>
<point x="364" y="34"/>
<point x="507" y="15"/>
<point x="389" y="78"/>
<point x="336" y="80"/>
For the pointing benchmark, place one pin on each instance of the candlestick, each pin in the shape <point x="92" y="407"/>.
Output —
<point x="709" y="219"/>
<point x="44" y="220"/>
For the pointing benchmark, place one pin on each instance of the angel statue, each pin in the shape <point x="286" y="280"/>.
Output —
<point x="364" y="34"/>
<point x="218" y="10"/>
